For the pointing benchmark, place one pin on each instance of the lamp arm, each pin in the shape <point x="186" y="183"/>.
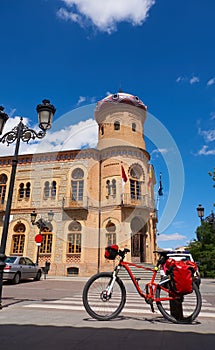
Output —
<point x="40" y="223"/>
<point x="23" y="132"/>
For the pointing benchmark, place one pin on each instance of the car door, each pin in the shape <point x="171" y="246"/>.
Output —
<point x="31" y="268"/>
<point x="23" y="268"/>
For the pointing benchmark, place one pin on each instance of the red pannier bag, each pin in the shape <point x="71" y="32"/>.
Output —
<point x="111" y="252"/>
<point x="181" y="275"/>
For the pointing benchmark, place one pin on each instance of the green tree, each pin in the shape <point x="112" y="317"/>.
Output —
<point x="203" y="249"/>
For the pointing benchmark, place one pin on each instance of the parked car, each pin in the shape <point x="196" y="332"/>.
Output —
<point x="185" y="255"/>
<point x="20" y="268"/>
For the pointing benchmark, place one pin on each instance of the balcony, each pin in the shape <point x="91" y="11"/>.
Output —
<point x="71" y="203"/>
<point x="2" y="206"/>
<point x="139" y="201"/>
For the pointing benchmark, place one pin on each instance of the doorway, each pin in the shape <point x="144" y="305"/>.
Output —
<point x="138" y="240"/>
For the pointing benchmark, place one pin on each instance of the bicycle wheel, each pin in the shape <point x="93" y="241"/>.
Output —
<point x="95" y="299"/>
<point x="184" y="309"/>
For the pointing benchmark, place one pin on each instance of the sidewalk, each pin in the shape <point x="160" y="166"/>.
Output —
<point x="66" y="278"/>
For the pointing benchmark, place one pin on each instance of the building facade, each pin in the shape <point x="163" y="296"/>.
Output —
<point x="99" y="196"/>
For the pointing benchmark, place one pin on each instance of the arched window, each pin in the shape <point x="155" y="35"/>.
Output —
<point x="19" y="227"/>
<point x="46" y="189"/>
<point x="46" y="244"/>
<point x="114" y="188"/>
<point x="18" y="239"/>
<point x="74" y="238"/>
<point x="50" y="190"/>
<point x="21" y="191"/>
<point x="24" y="190"/>
<point x="28" y="190"/>
<point x="111" y="188"/>
<point x="108" y="187"/>
<point x="111" y="233"/>
<point x="136" y="179"/>
<point x="77" y="184"/>
<point x="101" y="129"/>
<point x="116" y="125"/>
<point x="3" y="184"/>
<point x="133" y="126"/>
<point x="53" y="189"/>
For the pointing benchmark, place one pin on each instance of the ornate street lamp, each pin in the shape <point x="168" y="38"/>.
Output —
<point x="20" y="132"/>
<point x="3" y="118"/>
<point x="41" y="224"/>
<point x="200" y="211"/>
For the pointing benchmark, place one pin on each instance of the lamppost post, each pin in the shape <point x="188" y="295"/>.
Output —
<point x="45" y="112"/>
<point x="41" y="224"/>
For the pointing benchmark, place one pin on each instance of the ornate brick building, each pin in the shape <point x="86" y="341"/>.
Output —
<point x="92" y="206"/>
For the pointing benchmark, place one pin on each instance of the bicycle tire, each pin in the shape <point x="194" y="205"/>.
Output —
<point x="94" y="297"/>
<point x="184" y="309"/>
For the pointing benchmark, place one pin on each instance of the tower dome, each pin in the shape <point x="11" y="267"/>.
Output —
<point x="121" y="97"/>
<point x="120" y="117"/>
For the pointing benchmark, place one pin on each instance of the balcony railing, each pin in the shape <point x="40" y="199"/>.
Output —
<point x="72" y="203"/>
<point x="2" y="206"/>
<point x="143" y="201"/>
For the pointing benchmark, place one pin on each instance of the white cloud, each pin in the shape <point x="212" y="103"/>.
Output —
<point x="209" y="135"/>
<point x="204" y="151"/>
<point x="78" y="136"/>
<point x="160" y="150"/>
<point x="66" y="15"/>
<point x="81" y="100"/>
<point x="171" y="237"/>
<point x="211" y="82"/>
<point x="180" y="79"/>
<point x="194" y="80"/>
<point x="106" y="14"/>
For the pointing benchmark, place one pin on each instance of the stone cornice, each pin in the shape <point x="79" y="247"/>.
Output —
<point x="63" y="156"/>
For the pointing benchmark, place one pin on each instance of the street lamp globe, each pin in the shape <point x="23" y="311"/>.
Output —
<point x="200" y="210"/>
<point x="50" y="215"/>
<point x="33" y="216"/>
<point x="45" y="112"/>
<point x="3" y="118"/>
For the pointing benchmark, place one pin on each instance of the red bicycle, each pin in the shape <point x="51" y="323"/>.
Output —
<point x="104" y="294"/>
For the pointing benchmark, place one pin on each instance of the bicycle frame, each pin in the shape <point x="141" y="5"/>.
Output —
<point x="151" y="286"/>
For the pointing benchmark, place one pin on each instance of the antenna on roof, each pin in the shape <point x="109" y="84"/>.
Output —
<point x="120" y="87"/>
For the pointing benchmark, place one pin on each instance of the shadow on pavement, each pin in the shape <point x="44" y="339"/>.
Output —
<point x="72" y="338"/>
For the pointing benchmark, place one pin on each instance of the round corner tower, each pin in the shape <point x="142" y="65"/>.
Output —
<point x="127" y="213"/>
<point x="120" y="118"/>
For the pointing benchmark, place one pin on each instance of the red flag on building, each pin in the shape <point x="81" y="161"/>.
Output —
<point x="124" y="176"/>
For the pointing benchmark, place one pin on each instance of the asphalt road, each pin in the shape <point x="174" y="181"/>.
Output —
<point x="37" y="315"/>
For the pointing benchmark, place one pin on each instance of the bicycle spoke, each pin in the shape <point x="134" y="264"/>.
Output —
<point x="98" y="303"/>
<point x="183" y="309"/>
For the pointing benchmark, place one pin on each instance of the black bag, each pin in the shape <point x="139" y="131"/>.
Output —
<point x="111" y="252"/>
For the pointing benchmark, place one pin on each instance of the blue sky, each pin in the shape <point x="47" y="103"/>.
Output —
<point x="75" y="52"/>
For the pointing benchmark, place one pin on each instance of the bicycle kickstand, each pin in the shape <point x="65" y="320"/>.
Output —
<point x="152" y="307"/>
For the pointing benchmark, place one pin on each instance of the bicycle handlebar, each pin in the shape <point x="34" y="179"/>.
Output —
<point x="162" y="256"/>
<point x="122" y="253"/>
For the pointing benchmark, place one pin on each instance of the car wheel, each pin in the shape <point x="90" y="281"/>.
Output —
<point x="16" y="278"/>
<point x="38" y="276"/>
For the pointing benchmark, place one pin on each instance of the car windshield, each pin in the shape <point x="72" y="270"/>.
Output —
<point x="179" y="257"/>
<point x="10" y="259"/>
